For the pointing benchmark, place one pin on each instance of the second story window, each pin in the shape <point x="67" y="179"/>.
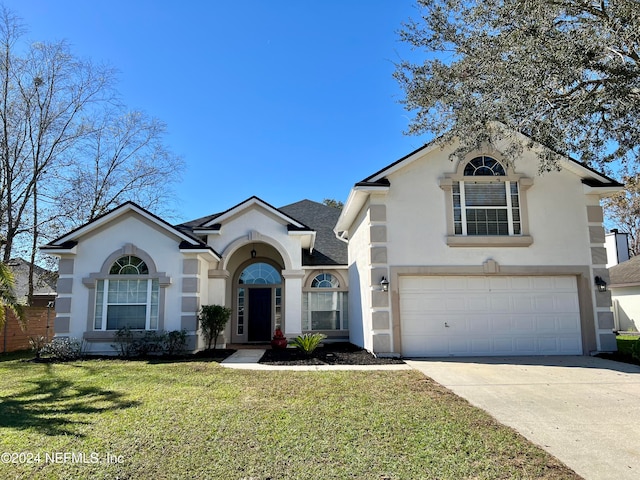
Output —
<point x="485" y="202"/>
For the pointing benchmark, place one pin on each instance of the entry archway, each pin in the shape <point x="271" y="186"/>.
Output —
<point x="258" y="292"/>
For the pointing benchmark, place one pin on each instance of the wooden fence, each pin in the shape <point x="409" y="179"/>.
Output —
<point x="39" y="322"/>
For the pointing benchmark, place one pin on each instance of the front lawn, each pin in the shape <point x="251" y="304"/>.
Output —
<point x="194" y="419"/>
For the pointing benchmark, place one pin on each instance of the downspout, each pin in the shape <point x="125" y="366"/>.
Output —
<point x="616" y="315"/>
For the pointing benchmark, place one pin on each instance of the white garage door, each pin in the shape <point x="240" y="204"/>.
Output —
<point x="467" y="316"/>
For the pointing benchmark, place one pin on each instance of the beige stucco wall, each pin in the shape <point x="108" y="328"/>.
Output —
<point x="359" y="280"/>
<point x="416" y="215"/>
<point x="565" y="236"/>
<point x="95" y="248"/>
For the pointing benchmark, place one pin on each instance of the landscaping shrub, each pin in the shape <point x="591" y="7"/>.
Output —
<point x="213" y="319"/>
<point x="128" y="344"/>
<point x="123" y="345"/>
<point x="308" y="342"/>
<point x="635" y="350"/>
<point x="36" y="343"/>
<point x="174" y="342"/>
<point x="62" y="349"/>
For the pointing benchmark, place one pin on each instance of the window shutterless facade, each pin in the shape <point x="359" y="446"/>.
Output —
<point x="486" y="200"/>
<point x="325" y="304"/>
<point x="128" y="298"/>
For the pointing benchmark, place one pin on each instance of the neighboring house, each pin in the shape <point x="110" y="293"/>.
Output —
<point x="44" y="282"/>
<point x="482" y="258"/>
<point x="625" y="294"/>
<point x="617" y="245"/>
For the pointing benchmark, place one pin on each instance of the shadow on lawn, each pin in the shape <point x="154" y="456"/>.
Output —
<point x="53" y="406"/>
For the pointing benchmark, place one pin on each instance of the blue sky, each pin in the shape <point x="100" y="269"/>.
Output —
<point x="282" y="99"/>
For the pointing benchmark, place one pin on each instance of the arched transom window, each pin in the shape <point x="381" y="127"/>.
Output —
<point x="485" y="202"/>
<point x="325" y="304"/>
<point x="260" y="274"/>
<point x="325" y="280"/>
<point x="127" y="302"/>
<point x="129" y="265"/>
<point x="483" y="166"/>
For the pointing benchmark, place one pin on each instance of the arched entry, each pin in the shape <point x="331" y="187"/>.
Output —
<point x="259" y="301"/>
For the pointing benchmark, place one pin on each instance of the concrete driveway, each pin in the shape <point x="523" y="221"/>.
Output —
<point x="583" y="410"/>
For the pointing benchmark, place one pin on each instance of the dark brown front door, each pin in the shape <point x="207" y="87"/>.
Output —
<point x="259" y="314"/>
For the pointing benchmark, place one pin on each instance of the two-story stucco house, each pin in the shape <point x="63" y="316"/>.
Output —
<point x="429" y="257"/>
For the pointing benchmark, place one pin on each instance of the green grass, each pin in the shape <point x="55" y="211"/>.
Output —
<point x="194" y="419"/>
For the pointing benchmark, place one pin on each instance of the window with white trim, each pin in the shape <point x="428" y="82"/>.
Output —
<point x="325" y="304"/>
<point x="485" y="202"/>
<point x="128" y="298"/>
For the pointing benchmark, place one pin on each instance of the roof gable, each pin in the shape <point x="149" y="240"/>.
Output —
<point x="589" y="175"/>
<point x="70" y="240"/>
<point x="213" y="222"/>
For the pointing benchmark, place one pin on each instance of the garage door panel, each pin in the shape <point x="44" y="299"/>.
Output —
<point x="489" y="316"/>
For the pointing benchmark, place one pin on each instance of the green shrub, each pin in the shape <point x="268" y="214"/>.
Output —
<point x="213" y="319"/>
<point x="174" y="342"/>
<point x="123" y="345"/>
<point x="635" y="350"/>
<point x="62" y="349"/>
<point x="36" y="343"/>
<point x="308" y="342"/>
<point x="128" y="344"/>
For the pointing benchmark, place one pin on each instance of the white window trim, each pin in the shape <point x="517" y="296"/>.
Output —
<point x="524" y="239"/>
<point x="509" y="206"/>
<point x="342" y="308"/>
<point x="105" y="304"/>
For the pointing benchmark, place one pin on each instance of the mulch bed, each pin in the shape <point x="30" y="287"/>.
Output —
<point x="341" y="353"/>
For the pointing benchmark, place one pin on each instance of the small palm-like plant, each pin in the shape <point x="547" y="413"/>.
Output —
<point x="8" y="297"/>
<point x="308" y="342"/>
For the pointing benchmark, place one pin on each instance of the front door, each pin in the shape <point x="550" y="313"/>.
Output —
<point x="259" y="322"/>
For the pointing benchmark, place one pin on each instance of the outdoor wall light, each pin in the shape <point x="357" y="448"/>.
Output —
<point x="384" y="283"/>
<point x="253" y="253"/>
<point x="601" y="284"/>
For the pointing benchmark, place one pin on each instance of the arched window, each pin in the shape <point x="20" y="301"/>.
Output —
<point x="128" y="297"/>
<point x="325" y="280"/>
<point x="484" y="204"/>
<point x="325" y="304"/>
<point x="129" y="265"/>
<point x="483" y="166"/>
<point x="260" y="274"/>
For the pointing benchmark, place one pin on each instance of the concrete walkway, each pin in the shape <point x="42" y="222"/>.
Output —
<point x="582" y="410"/>
<point x="247" y="359"/>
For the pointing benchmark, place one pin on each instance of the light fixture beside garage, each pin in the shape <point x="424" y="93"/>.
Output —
<point x="601" y="284"/>
<point x="384" y="283"/>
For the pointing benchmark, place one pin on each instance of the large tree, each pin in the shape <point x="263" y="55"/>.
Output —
<point x="69" y="150"/>
<point x="565" y="73"/>
<point x="623" y="211"/>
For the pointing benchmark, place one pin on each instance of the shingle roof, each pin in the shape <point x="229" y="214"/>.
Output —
<point x="328" y="250"/>
<point x="44" y="280"/>
<point x="626" y="272"/>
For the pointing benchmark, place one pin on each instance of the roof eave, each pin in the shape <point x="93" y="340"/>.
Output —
<point x="602" y="190"/>
<point x="357" y="198"/>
